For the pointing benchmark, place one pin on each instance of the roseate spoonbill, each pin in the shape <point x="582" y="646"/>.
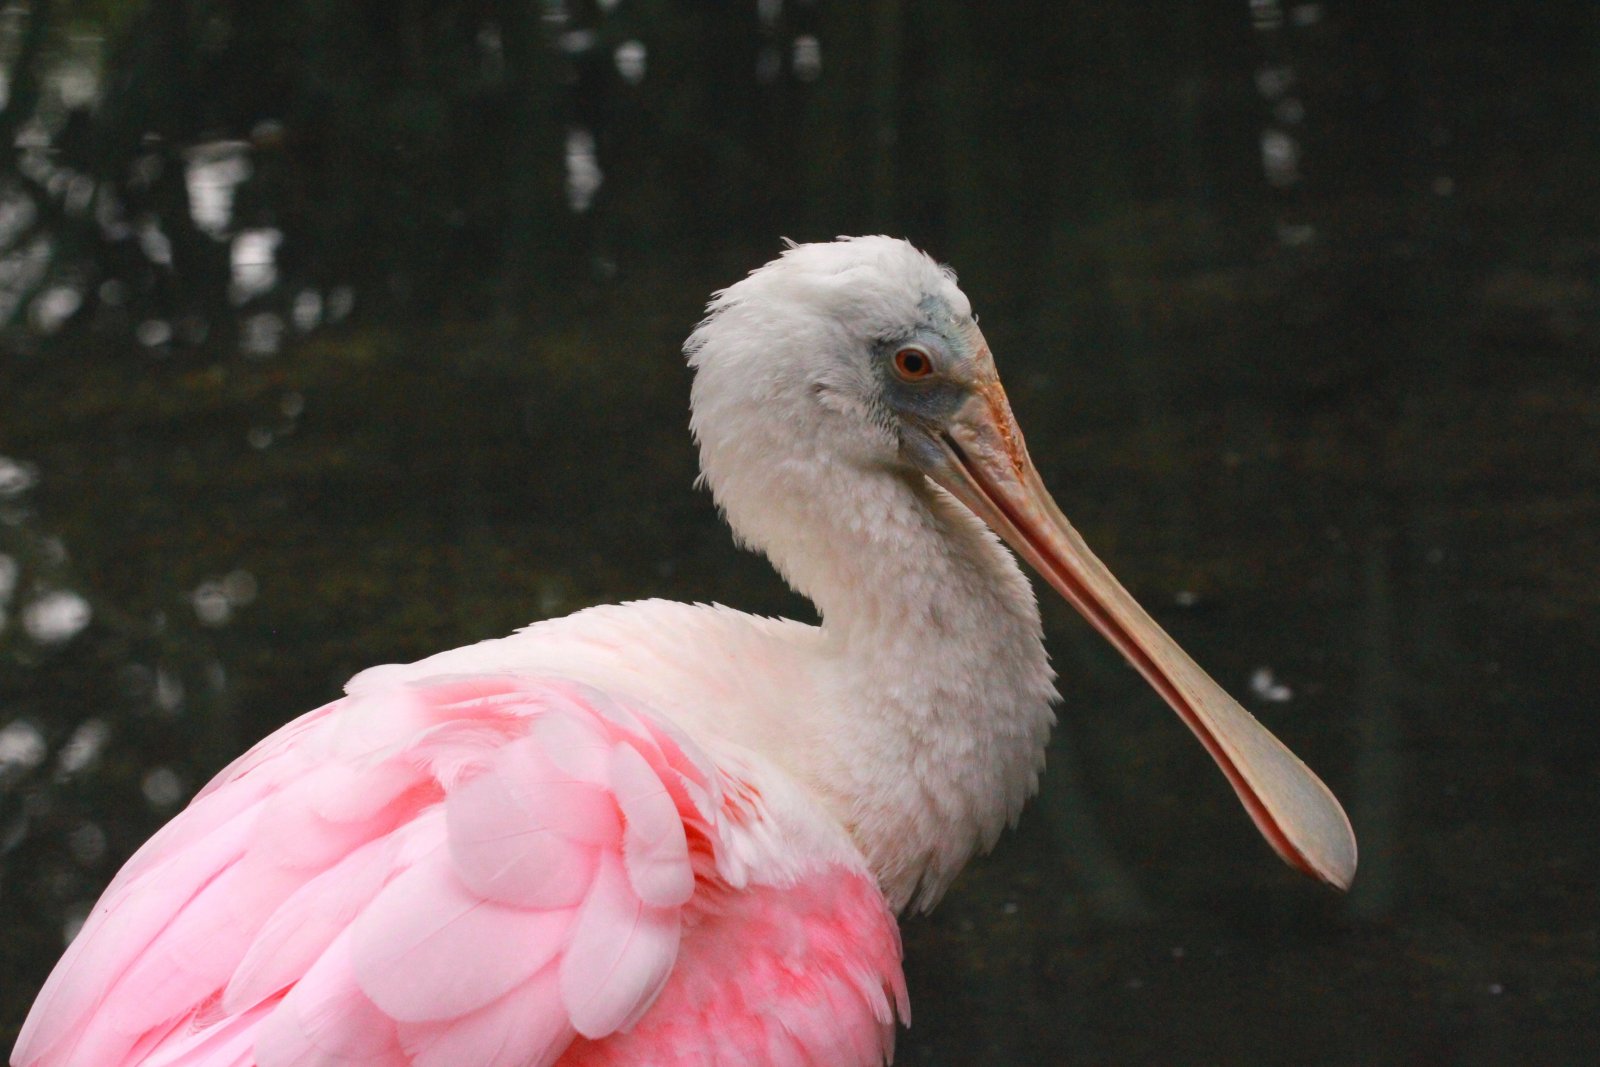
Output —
<point x="661" y="833"/>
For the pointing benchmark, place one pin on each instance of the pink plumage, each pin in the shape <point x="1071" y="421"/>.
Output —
<point x="469" y="871"/>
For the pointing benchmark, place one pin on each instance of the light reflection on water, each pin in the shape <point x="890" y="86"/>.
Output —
<point x="214" y="172"/>
<point x="56" y="616"/>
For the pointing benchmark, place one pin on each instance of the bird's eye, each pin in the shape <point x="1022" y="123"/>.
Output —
<point x="912" y="364"/>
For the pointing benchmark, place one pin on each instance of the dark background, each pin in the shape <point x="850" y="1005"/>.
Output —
<point x="322" y="347"/>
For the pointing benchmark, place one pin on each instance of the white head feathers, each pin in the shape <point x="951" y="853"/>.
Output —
<point x="784" y="385"/>
<point x="868" y="285"/>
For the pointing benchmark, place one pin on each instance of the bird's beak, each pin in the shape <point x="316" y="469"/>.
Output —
<point x="984" y="464"/>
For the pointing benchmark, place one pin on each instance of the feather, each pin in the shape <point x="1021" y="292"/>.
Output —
<point x="229" y="1043"/>
<point x="505" y="841"/>
<point x="303" y="927"/>
<point x="654" y="845"/>
<point x="576" y="744"/>
<point x="194" y="955"/>
<point x="524" y="867"/>
<point x="621" y="953"/>
<point x="526" y="1028"/>
<point x="327" y="1021"/>
<point x="429" y="949"/>
<point x="118" y="930"/>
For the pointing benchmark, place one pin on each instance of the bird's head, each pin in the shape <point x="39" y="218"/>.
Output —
<point x="852" y="342"/>
<point x="863" y="354"/>
<point x="860" y="351"/>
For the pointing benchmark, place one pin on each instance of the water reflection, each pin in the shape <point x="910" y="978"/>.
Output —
<point x="630" y="58"/>
<point x="55" y="616"/>
<point x="215" y="601"/>
<point x="22" y="747"/>
<point x="807" y="58"/>
<point x="583" y="169"/>
<point x="83" y="749"/>
<point x="214" y="172"/>
<point x="254" y="257"/>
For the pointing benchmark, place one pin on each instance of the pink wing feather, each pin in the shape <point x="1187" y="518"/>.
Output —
<point x="496" y="871"/>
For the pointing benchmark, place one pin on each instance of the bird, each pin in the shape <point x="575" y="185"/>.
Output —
<point x="663" y="833"/>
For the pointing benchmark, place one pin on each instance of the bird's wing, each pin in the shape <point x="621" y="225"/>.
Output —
<point x="475" y="870"/>
<point x="807" y="975"/>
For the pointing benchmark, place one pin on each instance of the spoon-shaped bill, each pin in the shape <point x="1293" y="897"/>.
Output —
<point x="980" y="459"/>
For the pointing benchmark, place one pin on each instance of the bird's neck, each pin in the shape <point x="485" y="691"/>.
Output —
<point x="931" y="671"/>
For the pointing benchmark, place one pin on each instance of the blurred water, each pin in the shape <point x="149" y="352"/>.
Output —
<point x="345" y="335"/>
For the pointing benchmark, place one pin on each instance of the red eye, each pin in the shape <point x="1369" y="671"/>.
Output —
<point x="912" y="364"/>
